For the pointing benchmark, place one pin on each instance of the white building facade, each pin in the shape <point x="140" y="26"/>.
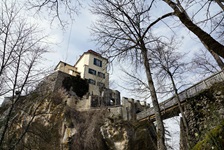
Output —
<point x="91" y="66"/>
<point x="66" y="68"/>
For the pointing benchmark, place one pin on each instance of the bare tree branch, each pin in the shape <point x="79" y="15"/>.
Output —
<point x="56" y="9"/>
<point x="21" y="49"/>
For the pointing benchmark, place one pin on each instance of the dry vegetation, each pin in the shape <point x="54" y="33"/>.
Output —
<point x="87" y="124"/>
<point x="38" y="121"/>
<point x="35" y="121"/>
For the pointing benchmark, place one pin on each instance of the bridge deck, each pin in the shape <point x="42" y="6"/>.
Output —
<point x="169" y="107"/>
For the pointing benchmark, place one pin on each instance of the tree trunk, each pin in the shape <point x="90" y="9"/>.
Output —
<point x="209" y="42"/>
<point x="220" y="4"/>
<point x="186" y="128"/>
<point x="216" y="57"/>
<point x="218" y="60"/>
<point x="159" y="121"/>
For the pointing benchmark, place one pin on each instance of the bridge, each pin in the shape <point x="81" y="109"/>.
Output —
<point x="169" y="108"/>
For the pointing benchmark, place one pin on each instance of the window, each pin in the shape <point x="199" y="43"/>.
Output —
<point x="97" y="62"/>
<point x="100" y="74"/>
<point x="91" y="81"/>
<point x="91" y="71"/>
<point x="71" y="72"/>
<point x="100" y="84"/>
<point x="112" y="102"/>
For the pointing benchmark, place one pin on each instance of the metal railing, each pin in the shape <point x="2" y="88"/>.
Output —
<point x="187" y="93"/>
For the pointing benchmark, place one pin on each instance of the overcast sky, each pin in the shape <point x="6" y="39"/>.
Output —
<point x="67" y="45"/>
<point x="76" y="40"/>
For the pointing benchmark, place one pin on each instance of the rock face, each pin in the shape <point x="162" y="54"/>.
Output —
<point x="122" y="135"/>
<point x="45" y="121"/>
<point x="34" y="122"/>
<point x="204" y="114"/>
<point x="98" y="129"/>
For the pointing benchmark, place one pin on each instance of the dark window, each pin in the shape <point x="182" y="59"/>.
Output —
<point x="100" y="84"/>
<point x="91" y="81"/>
<point x="97" y="62"/>
<point x="100" y="74"/>
<point x="91" y="71"/>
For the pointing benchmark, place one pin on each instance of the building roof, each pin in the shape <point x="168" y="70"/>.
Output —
<point x="63" y="63"/>
<point x="91" y="52"/>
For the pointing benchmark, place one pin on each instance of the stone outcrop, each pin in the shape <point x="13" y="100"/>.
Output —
<point x="49" y="120"/>
<point x="35" y="122"/>
<point x="204" y="114"/>
<point x="124" y="135"/>
<point x="102" y="129"/>
<point x="53" y="118"/>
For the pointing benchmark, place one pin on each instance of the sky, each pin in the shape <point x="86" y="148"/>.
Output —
<point x="77" y="39"/>
<point x="67" y="45"/>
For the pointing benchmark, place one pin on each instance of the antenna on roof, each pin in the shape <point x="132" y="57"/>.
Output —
<point x="69" y="37"/>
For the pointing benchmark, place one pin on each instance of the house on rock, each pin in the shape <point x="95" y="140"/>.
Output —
<point x="92" y="67"/>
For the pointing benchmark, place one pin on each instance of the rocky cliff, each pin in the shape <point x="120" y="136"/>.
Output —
<point x="205" y="116"/>
<point x="43" y="120"/>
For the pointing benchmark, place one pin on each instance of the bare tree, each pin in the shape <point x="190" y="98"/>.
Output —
<point x="169" y="66"/>
<point x="135" y="82"/>
<point x="203" y="63"/>
<point x="210" y="43"/>
<point x="21" y="50"/>
<point x="57" y="9"/>
<point x="220" y="30"/>
<point x="124" y="33"/>
<point x="35" y="122"/>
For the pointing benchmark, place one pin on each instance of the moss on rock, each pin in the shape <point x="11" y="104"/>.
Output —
<point x="214" y="139"/>
<point x="204" y="112"/>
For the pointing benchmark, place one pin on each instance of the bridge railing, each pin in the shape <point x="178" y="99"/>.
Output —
<point x="187" y="93"/>
<point x="202" y="85"/>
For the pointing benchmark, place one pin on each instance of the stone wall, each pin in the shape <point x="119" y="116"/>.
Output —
<point x="83" y="104"/>
<point x="53" y="82"/>
<point x="116" y="111"/>
<point x="111" y="97"/>
<point x="108" y="98"/>
<point x="203" y="112"/>
<point x="131" y="108"/>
